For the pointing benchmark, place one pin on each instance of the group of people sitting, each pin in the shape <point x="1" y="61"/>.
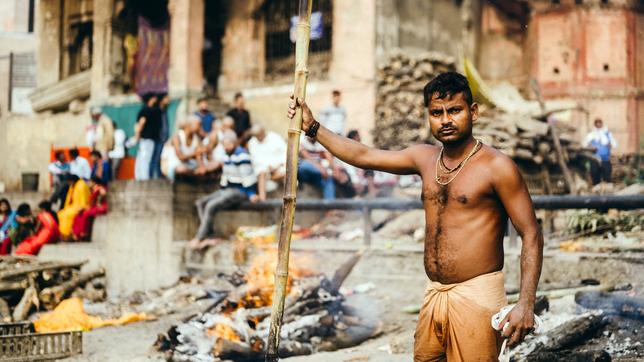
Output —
<point x="251" y="161"/>
<point x="80" y="191"/>
<point x="22" y="232"/>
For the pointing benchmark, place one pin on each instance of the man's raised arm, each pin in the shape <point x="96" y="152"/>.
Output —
<point x="514" y="195"/>
<point x="355" y="153"/>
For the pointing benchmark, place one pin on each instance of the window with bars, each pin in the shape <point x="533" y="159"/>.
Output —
<point x="280" y="49"/>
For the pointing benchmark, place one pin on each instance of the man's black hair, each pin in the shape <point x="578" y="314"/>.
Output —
<point x="202" y="99"/>
<point x="73" y="153"/>
<point x="73" y="178"/>
<point x="58" y="154"/>
<point x="45" y="205"/>
<point x="96" y="154"/>
<point x="336" y="92"/>
<point x="97" y="180"/>
<point x="353" y="133"/>
<point x="446" y="85"/>
<point x="23" y="210"/>
<point x="238" y="95"/>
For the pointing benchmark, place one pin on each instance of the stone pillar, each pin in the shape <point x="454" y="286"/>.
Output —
<point x="48" y="26"/>
<point x="101" y="52"/>
<point x="353" y="65"/>
<point x="186" y="43"/>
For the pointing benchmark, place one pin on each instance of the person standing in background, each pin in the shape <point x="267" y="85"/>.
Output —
<point x="603" y="141"/>
<point x="334" y="116"/>
<point x="118" y="153"/>
<point x="79" y="166"/>
<point x="207" y="118"/>
<point x="242" y="119"/>
<point x="103" y="139"/>
<point x="59" y="170"/>
<point x="164" y="133"/>
<point x="146" y="130"/>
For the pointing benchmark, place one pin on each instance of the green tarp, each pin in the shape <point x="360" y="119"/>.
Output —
<point x="125" y="117"/>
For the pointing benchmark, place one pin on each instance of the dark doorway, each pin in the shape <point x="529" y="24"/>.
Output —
<point x="214" y="28"/>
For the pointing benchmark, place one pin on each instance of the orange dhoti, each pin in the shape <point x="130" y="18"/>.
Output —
<point x="454" y="321"/>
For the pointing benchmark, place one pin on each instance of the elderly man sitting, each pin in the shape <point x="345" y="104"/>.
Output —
<point x="181" y="156"/>
<point x="268" y="152"/>
<point x="239" y="182"/>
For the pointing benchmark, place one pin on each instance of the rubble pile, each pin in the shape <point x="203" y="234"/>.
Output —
<point x="236" y="325"/>
<point x="529" y="140"/>
<point x="27" y="284"/>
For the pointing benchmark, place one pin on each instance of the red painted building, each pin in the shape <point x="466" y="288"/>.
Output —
<point x="593" y="53"/>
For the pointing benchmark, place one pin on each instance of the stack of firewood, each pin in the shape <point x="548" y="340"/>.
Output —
<point x="28" y="285"/>
<point x="400" y="113"/>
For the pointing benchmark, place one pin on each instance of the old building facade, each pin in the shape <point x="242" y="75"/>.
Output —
<point x="94" y="52"/>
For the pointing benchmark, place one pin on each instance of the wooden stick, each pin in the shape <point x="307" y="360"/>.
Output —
<point x="290" y="187"/>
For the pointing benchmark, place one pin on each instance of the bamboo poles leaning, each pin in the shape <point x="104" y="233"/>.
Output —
<point x="290" y="187"/>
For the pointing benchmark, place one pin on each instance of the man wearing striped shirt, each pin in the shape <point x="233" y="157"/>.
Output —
<point x="239" y="182"/>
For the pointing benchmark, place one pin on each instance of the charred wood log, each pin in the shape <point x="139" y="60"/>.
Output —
<point x="343" y="272"/>
<point x="612" y="303"/>
<point x="570" y="356"/>
<point x="569" y="334"/>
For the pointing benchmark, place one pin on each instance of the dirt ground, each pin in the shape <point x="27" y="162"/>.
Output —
<point x="387" y="297"/>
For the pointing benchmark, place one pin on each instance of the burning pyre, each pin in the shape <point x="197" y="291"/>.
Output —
<point x="235" y="327"/>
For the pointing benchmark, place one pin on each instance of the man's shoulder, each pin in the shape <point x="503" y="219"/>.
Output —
<point x="424" y="148"/>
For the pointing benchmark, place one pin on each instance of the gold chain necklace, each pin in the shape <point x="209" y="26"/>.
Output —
<point x="460" y="166"/>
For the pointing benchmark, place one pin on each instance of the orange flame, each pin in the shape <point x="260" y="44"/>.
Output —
<point x="224" y="331"/>
<point x="261" y="278"/>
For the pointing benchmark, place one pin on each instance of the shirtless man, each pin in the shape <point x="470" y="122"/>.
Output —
<point x="469" y="191"/>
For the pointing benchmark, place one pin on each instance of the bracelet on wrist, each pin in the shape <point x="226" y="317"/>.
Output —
<point x="313" y="130"/>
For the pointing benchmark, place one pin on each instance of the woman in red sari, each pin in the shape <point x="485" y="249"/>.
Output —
<point x="46" y="231"/>
<point x="82" y="228"/>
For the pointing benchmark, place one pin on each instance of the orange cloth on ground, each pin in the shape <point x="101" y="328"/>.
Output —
<point x="69" y="315"/>
<point x="77" y="199"/>
<point x="47" y="233"/>
<point x="454" y="321"/>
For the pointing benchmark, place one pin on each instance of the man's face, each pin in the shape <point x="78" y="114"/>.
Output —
<point x="239" y="102"/>
<point x="60" y="157"/>
<point x="93" y="158"/>
<point x="261" y="135"/>
<point x="195" y="126"/>
<point x="229" y="146"/>
<point x="336" y="99"/>
<point x="165" y="101"/>
<point x="4" y="207"/>
<point x="599" y="123"/>
<point x="203" y="106"/>
<point x="23" y="219"/>
<point x="450" y="118"/>
<point x="96" y="117"/>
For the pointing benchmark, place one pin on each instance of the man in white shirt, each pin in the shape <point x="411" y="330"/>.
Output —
<point x="603" y="141"/>
<point x="79" y="166"/>
<point x="268" y="152"/>
<point x="334" y="116"/>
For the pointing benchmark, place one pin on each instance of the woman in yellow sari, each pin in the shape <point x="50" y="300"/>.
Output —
<point x="77" y="199"/>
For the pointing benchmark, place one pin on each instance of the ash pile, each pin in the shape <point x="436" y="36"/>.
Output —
<point x="236" y="325"/>
<point x="28" y="285"/>
<point x="527" y="131"/>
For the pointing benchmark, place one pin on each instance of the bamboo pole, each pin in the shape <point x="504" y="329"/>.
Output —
<point x="290" y="187"/>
